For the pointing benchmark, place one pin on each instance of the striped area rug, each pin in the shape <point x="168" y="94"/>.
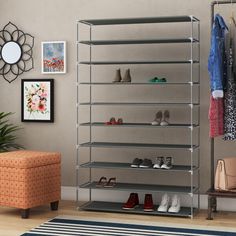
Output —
<point x="60" y="226"/>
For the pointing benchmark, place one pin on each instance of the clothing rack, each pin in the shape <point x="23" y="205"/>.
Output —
<point x="212" y="194"/>
<point x="212" y="152"/>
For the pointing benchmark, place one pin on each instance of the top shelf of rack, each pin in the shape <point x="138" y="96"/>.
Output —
<point x="139" y="41"/>
<point x="161" y="19"/>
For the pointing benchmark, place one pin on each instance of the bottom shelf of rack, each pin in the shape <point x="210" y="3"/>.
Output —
<point x="117" y="208"/>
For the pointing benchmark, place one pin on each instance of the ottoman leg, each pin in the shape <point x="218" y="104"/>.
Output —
<point x="54" y="205"/>
<point x="25" y="213"/>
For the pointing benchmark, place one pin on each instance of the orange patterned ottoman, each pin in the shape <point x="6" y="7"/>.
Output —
<point x="29" y="179"/>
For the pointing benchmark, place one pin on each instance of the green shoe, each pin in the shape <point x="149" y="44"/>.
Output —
<point x="157" y="80"/>
<point x="153" y="80"/>
<point x="162" y="80"/>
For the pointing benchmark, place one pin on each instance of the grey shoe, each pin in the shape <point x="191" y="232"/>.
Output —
<point x="166" y="118"/>
<point x="147" y="163"/>
<point x="127" y="76"/>
<point x="167" y="163"/>
<point x="157" y="119"/>
<point x="159" y="161"/>
<point x="136" y="162"/>
<point x="117" y="78"/>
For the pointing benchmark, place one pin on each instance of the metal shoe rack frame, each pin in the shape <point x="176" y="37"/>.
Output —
<point x="192" y="191"/>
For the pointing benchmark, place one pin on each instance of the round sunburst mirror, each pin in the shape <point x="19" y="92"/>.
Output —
<point x="16" y="50"/>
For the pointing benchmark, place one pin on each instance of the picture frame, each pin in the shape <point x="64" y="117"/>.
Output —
<point x="53" y="57"/>
<point x="37" y="100"/>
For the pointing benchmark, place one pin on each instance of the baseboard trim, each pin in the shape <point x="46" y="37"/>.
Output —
<point x="69" y="193"/>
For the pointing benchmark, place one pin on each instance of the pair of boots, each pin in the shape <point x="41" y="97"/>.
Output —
<point x="133" y="202"/>
<point x="118" y="78"/>
<point x="165" y="205"/>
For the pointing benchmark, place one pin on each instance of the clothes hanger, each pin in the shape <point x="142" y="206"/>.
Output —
<point x="218" y="7"/>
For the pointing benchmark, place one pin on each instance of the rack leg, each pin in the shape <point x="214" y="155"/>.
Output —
<point x="214" y="204"/>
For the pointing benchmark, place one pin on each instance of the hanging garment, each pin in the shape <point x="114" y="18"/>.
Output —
<point x="217" y="66"/>
<point x="230" y="90"/>
<point x="216" y="117"/>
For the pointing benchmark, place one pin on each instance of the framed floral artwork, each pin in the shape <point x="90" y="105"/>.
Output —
<point x="37" y="100"/>
<point x="53" y="57"/>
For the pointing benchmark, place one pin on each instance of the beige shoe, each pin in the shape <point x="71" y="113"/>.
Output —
<point x="127" y="77"/>
<point x="157" y="119"/>
<point x="117" y="78"/>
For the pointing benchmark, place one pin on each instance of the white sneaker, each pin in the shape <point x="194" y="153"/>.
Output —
<point x="158" y="162"/>
<point x="155" y="122"/>
<point x="164" y="203"/>
<point x="167" y="164"/>
<point x="164" y="123"/>
<point x="175" y="205"/>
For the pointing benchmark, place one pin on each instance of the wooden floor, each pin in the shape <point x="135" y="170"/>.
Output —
<point x="12" y="225"/>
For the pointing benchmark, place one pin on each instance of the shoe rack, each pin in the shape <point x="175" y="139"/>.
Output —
<point x="192" y="148"/>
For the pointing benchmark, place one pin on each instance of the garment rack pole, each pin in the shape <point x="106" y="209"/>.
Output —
<point x="212" y="152"/>
<point x="218" y="3"/>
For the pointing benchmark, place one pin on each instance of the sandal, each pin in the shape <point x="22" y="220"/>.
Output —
<point x="111" y="183"/>
<point x="101" y="182"/>
<point x="111" y="122"/>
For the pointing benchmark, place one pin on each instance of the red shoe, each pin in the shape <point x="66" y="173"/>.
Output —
<point x="132" y="202"/>
<point x="148" y="203"/>
<point x="111" y="122"/>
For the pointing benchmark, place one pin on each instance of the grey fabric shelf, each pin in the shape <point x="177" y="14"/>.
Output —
<point x="136" y="145"/>
<point x="142" y="125"/>
<point x="142" y="187"/>
<point x="144" y="20"/>
<point x="135" y="62"/>
<point x="140" y="83"/>
<point x="117" y="208"/>
<point x="139" y="41"/>
<point x="118" y="165"/>
<point x="137" y="104"/>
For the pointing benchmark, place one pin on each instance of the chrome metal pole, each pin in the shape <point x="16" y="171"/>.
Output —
<point x="191" y="116"/>
<point x="199" y="110"/>
<point x="90" y="109"/>
<point x="77" y="113"/>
